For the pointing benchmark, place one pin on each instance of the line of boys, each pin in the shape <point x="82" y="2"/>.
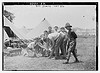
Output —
<point x="61" y="39"/>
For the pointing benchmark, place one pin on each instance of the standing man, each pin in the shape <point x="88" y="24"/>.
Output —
<point x="71" y="43"/>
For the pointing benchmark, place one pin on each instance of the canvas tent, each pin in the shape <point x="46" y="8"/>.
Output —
<point x="7" y="23"/>
<point x="9" y="32"/>
<point x="23" y="30"/>
<point x="5" y="35"/>
<point x="38" y="30"/>
<point x="23" y="33"/>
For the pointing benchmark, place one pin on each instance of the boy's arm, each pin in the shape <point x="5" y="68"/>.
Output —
<point x="51" y="44"/>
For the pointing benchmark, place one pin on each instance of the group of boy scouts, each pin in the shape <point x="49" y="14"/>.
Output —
<point x="62" y="40"/>
<point x="61" y="43"/>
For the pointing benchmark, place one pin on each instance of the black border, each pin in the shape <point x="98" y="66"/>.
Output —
<point x="52" y="3"/>
<point x="97" y="23"/>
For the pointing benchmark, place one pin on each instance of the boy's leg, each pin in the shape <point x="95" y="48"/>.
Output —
<point x="57" y="46"/>
<point x="64" y="46"/>
<point x="61" y="48"/>
<point x="56" y="52"/>
<point x="74" y="51"/>
<point x="69" y="50"/>
<point x="69" y="55"/>
<point x="75" y="56"/>
<point x="52" y="52"/>
<point x="26" y="51"/>
<point x="34" y="53"/>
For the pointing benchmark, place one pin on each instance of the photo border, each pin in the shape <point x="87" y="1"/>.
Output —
<point x="51" y="3"/>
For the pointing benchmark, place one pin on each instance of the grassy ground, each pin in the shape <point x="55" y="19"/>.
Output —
<point x="86" y="55"/>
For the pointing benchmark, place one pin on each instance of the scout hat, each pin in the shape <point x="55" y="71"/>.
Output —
<point x="67" y="25"/>
<point x="62" y="28"/>
<point x="56" y="27"/>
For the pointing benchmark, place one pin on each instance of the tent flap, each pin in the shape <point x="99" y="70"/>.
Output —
<point x="5" y="35"/>
<point x="13" y="28"/>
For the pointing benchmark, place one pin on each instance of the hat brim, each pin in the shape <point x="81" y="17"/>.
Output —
<point x="68" y="26"/>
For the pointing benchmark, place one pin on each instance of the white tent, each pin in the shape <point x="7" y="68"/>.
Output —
<point x="13" y="28"/>
<point x="5" y="35"/>
<point x="38" y="30"/>
<point x="23" y="30"/>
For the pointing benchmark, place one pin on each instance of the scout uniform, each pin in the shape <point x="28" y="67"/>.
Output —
<point x="71" y="43"/>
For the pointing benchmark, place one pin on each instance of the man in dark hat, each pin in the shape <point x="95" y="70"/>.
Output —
<point x="71" y="43"/>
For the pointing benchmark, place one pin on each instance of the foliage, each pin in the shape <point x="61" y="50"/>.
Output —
<point x="10" y="16"/>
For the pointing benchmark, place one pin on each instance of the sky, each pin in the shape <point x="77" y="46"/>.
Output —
<point x="81" y="16"/>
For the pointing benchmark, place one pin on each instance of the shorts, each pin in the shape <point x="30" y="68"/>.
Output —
<point x="71" y="45"/>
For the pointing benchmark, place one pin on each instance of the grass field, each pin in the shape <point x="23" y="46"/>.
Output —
<point x="86" y="54"/>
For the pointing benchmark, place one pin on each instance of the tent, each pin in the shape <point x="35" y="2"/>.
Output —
<point x="5" y="35"/>
<point x="7" y="23"/>
<point x="23" y="30"/>
<point x="9" y="32"/>
<point x="38" y="30"/>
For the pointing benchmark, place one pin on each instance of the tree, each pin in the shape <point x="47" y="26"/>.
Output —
<point x="10" y="16"/>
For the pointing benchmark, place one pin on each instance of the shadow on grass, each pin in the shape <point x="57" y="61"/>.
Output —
<point x="74" y="62"/>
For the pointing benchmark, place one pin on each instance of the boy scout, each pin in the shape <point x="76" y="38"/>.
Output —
<point x="71" y="43"/>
